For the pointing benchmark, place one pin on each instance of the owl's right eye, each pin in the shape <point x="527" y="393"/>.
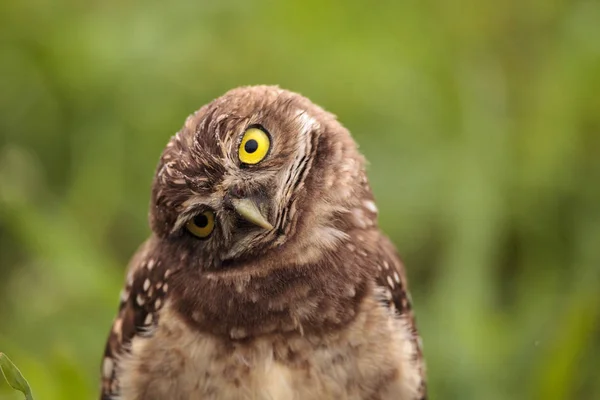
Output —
<point x="202" y="224"/>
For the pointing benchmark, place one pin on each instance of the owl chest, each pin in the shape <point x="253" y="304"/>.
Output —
<point x="175" y="363"/>
<point x="206" y="369"/>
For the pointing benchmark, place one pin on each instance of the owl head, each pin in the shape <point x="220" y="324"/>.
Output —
<point x="257" y="176"/>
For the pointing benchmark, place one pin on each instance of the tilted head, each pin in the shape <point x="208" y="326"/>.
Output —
<point x="258" y="174"/>
<point x="262" y="212"/>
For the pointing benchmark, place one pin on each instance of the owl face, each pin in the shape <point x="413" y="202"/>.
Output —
<point x="256" y="175"/>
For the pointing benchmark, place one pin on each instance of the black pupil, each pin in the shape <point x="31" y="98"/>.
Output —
<point x="201" y="221"/>
<point x="251" y="146"/>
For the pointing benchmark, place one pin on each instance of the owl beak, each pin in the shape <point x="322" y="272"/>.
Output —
<point x="248" y="210"/>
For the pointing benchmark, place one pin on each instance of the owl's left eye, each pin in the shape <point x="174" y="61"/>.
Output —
<point x="202" y="225"/>
<point x="254" y="146"/>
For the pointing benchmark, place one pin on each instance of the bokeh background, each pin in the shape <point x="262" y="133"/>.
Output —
<point x="481" y="122"/>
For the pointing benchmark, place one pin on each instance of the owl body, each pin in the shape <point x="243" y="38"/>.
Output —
<point x="266" y="276"/>
<point x="360" y="363"/>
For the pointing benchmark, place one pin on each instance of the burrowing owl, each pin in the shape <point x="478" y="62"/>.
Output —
<point x="266" y="276"/>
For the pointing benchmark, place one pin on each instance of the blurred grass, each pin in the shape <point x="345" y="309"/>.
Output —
<point x="13" y="376"/>
<point x="481" y="122"/>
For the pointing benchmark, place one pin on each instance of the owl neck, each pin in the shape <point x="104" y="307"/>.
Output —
<point x="286" y="298"/>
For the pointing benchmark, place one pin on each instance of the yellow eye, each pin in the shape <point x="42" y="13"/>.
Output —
<point x="254" y="146"/>
<point x="202" y="224"/>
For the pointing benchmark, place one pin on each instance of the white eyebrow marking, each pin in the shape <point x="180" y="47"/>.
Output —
<point x="303" y="147"/>
<point x="306" y="121"/>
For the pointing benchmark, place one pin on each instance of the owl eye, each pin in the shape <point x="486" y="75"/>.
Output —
<point x="202" y="224"/>
<point x="254" y="146"/>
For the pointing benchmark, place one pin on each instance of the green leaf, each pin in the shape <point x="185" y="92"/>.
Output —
<point x="14" y="377"/>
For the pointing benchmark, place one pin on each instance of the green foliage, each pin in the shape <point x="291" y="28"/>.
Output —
<point x="14" y="377"/>
<point x="481" y="122"/>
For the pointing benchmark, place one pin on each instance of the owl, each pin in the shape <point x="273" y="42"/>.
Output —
<point x="265" y="275"/>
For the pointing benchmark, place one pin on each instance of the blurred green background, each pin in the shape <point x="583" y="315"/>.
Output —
<point x="481" y="122"/>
